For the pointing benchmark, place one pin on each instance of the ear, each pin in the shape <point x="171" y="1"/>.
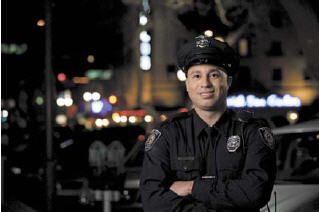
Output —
<point x="186" y="84"/>
<point x="229" y="81"/>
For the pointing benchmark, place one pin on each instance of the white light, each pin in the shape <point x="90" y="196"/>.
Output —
<point x="145" y="62"/>
<point x="293" y="116"/>
<point x="60" y="102"/>
<point x="181" y="76"/>
<point x="5" y="113"/>
<point x="286" y="101"/>
<point x="96" y="96"/>
<point x="132" y="119"/>
<point x="144" y="37"/>
<point x="97" y="106"/>
<point x="292" y="101"/>
<point x="271" y="101"/>
<point x="123" y="118"/>
<point x="87" y="96"/>
<point x="209" y="33"/>
<point x="143" y="20"/>
<point x="16" y="170"/>
<point x="98" y="122"/>
<point x="236" y="101"/>
<point x="61" y="119"/>
<point x="117" y="119"/>
<point x="68" y="102"/>
<point x="145" y="48"/>
<point x="105" y="122"/>
<point x="148" y="118"/>
<point x="253" y="101"/>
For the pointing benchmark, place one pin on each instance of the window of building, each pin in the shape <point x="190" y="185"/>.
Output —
<point x="276" y="19"/>
<point x="277" y="74"/>
<point x="244" y="47"/>
<point x="306" y="76"/>
<point x="275" y="49"/>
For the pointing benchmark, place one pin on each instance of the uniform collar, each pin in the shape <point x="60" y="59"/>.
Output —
<point x="221" y="125"/>
<point x="198" y="123"/>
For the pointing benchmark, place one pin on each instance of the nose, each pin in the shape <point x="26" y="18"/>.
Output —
<point x="206" y="83"/>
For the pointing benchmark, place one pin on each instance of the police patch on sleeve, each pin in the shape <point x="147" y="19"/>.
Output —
<point x="267" y="137"/>
<point x="155" y="134"/>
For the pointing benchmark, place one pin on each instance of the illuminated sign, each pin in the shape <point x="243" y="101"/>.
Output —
<point x="145" y="51"/>
<point x="272" y="100"/>
<point x="99" y="74"/>
<point x="13" y="48"/>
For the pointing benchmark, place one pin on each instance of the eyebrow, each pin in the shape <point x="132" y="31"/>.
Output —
<point x="210" y="70"/>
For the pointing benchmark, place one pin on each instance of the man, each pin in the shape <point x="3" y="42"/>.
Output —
<point x="209" y="159"/>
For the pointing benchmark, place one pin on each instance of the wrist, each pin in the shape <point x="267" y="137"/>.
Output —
<point x="190" y="187"/>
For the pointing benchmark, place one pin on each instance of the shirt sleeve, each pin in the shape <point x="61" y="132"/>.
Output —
<point x="253" y="188"/>
<point x="156" y="178"/>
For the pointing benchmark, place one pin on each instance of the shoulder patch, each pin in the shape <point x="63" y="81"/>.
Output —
<point x="267" y="137"/>
<point x="152" y="138"/>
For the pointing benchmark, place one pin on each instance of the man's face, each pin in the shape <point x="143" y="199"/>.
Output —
<point x="207" y="87"/>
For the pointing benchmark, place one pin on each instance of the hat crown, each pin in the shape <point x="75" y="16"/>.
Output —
<point x="207" y="50"/>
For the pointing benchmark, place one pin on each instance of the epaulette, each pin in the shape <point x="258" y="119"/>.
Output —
<point x="244" y="115"/>
<point x="248" y="117"/>
<point x="176" y="117"/>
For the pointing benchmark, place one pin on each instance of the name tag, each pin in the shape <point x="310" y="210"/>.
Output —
<point x="186" y="158"/>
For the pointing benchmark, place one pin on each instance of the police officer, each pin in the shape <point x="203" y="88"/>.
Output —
<point x="210" y="158"/>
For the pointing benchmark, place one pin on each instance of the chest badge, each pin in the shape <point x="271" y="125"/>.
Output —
<point x="233" y="143"/>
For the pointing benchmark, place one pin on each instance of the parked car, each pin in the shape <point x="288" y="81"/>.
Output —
<point x="297" y="185"/>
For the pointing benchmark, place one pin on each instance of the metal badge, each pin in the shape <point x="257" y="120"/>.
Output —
<point x="202" y="41"/>
<point x="233" y="143"/>
<point x="155" y="134"/>
<point x="268" y="137"/>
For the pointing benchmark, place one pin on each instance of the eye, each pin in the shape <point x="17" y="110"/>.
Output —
<point x="196" y="76"/>
<point x="214" y="75"/>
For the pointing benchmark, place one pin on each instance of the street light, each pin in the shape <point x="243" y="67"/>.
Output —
<point x="87" y="96"/>
<point x="148" y="118"/>
<point x="96" y="96"/>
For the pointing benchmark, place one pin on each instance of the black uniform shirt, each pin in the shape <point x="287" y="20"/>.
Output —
<point x="228" y="176"/>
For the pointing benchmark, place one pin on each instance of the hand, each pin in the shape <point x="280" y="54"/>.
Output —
<point x="182" y="188"/>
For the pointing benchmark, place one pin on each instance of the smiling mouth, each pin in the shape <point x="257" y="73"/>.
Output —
<point x="207" y="94"/>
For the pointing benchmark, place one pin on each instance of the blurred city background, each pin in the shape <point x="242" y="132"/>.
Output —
<point x="83" y="83"/>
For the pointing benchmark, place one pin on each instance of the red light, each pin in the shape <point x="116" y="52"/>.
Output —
<point x="141" y="137"/>
<point x="183" y="110"/>
<point x="61" y="77"/>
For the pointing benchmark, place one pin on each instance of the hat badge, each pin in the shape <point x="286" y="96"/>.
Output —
<point x="233" y="143"/>
<point x="202" y="41"/>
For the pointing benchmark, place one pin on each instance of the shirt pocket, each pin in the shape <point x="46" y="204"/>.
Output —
<point x="228" y="174"/>
<point x="187" y="168"/>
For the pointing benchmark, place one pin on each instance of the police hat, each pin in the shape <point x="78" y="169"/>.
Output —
<point x="208" y="50"/>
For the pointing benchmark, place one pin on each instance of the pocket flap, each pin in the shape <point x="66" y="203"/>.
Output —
<point x="187" y="163"/>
